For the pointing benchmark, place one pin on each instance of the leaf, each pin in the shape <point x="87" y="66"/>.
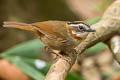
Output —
<point x="31" y="49"/>
<point x="97" y="47"/>
<point x="93" y="20"/>
<point x="27" y="69"/>
<point x="74" y="76"/>
<point x="25" y="55"/>
<point x="38" y="64"/>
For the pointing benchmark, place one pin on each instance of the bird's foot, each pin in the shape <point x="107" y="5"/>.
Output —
<point x="58" y="53"/>
<point x="48" y="50"/>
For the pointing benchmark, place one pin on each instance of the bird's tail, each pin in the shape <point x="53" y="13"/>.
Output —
<point x="12" y="24"/>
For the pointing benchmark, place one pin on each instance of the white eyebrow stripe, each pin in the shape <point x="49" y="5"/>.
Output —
<point x="74" y="24"/>
<point x="80" y="24"/>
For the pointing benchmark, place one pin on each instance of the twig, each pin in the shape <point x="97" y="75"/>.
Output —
<point x="114" y="45"/>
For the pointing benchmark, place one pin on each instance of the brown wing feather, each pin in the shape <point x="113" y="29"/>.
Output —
<point x="52" y="29"/>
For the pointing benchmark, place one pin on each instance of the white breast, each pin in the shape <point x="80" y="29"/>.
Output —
<point x="79" y="34"/>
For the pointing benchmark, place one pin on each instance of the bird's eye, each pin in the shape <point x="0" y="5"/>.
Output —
<point x="80" y="27"/>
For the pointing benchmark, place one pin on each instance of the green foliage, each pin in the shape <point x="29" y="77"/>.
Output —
<point x="74" y="76"/>
<point x="31" y="49"/>
<point x="93" y="20"/>
<point x="26" y="68"/>
<point x="96" y="48"/>
<point x="25" y="55"/>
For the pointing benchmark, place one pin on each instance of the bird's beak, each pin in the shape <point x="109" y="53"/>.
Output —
<point x="90" y="30"/>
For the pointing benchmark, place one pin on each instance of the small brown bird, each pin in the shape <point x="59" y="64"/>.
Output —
<point x="57" y="35"/>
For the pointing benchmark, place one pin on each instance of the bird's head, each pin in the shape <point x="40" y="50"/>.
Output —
<point x="79" y="30"/>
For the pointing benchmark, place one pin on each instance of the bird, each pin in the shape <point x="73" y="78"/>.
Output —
<point x="58" y="36"/>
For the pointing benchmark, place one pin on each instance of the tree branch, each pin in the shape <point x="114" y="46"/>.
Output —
<point x="61" y="66"/>
<point x="114" y="45"/>
<point x="107" y="27"/>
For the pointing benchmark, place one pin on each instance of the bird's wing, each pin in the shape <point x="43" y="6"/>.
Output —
<point x="52" y="29"/>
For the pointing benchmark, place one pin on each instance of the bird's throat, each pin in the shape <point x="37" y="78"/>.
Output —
<point x="76" y="35"/>
<point x="73" y="33"/>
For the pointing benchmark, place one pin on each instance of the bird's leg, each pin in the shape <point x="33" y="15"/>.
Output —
<point x="58" y="53"/>
<point x="74" y="50"/>
<point x="48" y="50"/>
